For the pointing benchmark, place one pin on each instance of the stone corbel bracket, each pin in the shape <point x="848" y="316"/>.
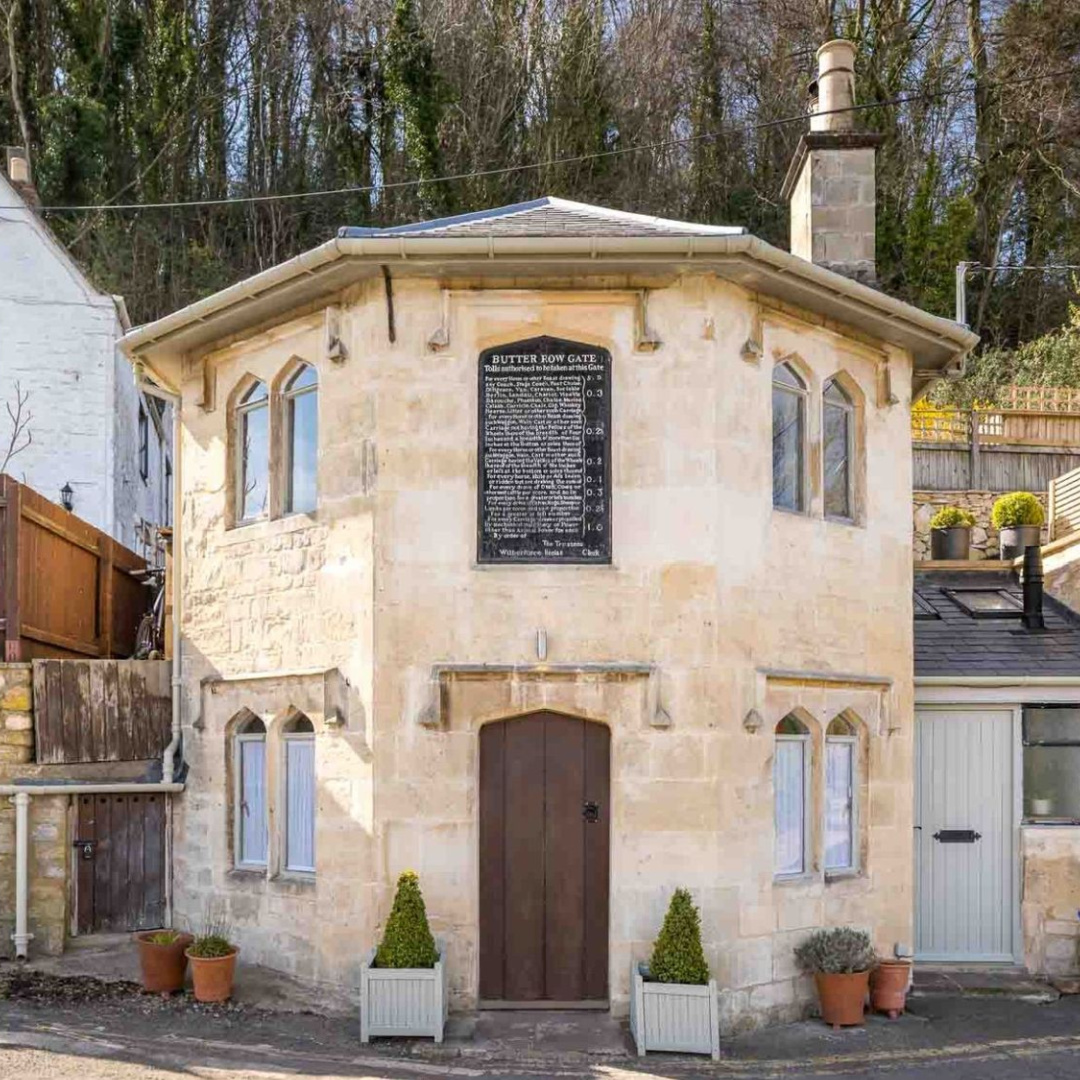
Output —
<point x="886" y="396"/>
<point x="336" y="351"/>
<point x="822" y="694"/>
<point x="647" y="339"/>
<point x="440" y="336"/>
<point x="573" y="688"/>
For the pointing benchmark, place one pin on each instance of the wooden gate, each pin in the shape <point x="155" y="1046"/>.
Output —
<point x="544" y="844"/>
<point x="119" y="862"/>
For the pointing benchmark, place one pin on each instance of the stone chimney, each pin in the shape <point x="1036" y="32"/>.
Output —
<point x="18" y="172"/>
<point x="830" y="183"/>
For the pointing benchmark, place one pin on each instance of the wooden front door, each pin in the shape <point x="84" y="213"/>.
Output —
<point x="119" y="852"/>
<point x="544" y="842"/>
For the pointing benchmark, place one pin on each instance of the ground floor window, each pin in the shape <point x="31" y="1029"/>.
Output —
<point x="250" y="809"/>
<point x="841" y="745"/>
<point x="300" y="796"/>
<point x="790" y="768"/>
<point x="1052" y="762"/>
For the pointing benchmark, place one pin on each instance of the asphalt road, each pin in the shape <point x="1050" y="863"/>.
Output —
<point x="945" y="1040"/>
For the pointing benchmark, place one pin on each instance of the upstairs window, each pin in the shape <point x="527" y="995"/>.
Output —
<point x="791" y="767"/>
<point x="838" y="437"/>
<point x="253" y="453"/>
<point x="788" y="439"/>
<point x="299" y="738"/>
<point x="250" y="801"/>
<point x="841" y="745"/>
<point x="301" y="440"/>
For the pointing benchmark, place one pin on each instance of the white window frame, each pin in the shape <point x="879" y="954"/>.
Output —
<point x="238" y="801"/>
<point x="853" y="796"/>
<point x="807" y="830"/>
<point x="286" y="739"/>
<point x="242" y="410"/>
<point x="802" y="394"/>
<point x="849" y="409"/>
<point x="288" y="398"/>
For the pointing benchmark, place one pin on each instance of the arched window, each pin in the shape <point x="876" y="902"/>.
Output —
<point x="252" y="426"/>
<point x="838" y="451"/>
<point x="299" y="839"/>
<point x="300" y="400"/>
<point x="788" y="438"/>
<point x="841" y="755"/>
<point x="249" y="811"/>
<point x="791" y="769"/>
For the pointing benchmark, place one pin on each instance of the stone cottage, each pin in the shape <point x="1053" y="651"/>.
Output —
<point x="563" y="555"/>
<point x="96" y="444"/>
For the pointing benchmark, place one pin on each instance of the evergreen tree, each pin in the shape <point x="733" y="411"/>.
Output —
<point x="407" y="940"/>
<point x="677" y="954"/>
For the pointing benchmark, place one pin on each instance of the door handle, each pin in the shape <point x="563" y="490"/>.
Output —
<point x="590" y="811"/>
<point x="957" y="836"/>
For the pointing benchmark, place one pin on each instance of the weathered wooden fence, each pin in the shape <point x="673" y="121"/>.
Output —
<point x="1064" y="512"/>
<point x="100" y="710"/>
<point x="66" y="588"/>
<point x="1021" y="445"/>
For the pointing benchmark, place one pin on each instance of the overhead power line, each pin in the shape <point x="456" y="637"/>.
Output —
<point x="575" y="159"/>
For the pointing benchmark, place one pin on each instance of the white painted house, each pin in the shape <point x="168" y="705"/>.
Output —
<point x="91" y="431"/>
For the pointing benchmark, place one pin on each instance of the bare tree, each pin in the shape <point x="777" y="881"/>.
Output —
<point x="20" y="417"/>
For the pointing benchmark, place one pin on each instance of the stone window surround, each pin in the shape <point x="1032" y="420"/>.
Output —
<point x="278" y="726"/>
<point x="278" y="436"/>
<point x="813" y="441"/>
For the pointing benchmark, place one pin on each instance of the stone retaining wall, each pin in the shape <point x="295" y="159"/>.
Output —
<point x="984" y="537"/>
<point x="49" y="849"/>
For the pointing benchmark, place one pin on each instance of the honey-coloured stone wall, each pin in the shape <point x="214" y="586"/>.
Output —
<point x="709" y="587"/>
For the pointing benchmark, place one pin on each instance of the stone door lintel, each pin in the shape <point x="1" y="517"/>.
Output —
<point x="509" y="688"/>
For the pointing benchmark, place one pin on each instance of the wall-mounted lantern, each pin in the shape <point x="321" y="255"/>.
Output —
<point x="67" y="496"/>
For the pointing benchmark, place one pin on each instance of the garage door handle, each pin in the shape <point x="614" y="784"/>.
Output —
<point x="957" y="836"/>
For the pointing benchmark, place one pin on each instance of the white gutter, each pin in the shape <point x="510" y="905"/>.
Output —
<point x="168" y="759"/>
<point x="997" y="680"/>
<point x="20" y="795"/>
<point x="420" y="250"/>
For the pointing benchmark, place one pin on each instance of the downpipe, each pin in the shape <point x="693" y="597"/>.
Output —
<point x="168" y="758"/>
<point x="22" y="934"/>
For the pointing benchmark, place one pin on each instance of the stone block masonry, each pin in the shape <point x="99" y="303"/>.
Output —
<point x="49" y="847"/>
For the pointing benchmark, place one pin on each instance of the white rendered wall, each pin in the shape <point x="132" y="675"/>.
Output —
<point x="58" y="343"/>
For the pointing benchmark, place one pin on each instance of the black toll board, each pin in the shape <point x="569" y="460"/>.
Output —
<point x="545" y="453"/>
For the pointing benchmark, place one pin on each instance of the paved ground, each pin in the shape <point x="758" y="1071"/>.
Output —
<point x="93" y="1031"/>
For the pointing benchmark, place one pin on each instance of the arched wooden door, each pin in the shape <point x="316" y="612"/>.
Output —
<point x="544" y="843"/>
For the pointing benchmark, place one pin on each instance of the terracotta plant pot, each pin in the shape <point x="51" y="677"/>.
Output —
<point x="889" y="986"/>
<point x="163" y="966"/>
<point x="212" y="977"/>
<point x="842" y="997"/>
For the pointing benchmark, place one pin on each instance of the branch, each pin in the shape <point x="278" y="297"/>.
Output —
<point x="21" y="435"/>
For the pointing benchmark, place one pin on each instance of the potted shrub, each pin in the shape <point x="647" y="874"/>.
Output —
<point x="889" y="983"/>
<point x="403" y="981"/>
<point x="950" y="533"/>
<point x="213" y="965"/>
<point x="162" y="961"/>
<point x="1018" y="517"/>
<point x="673" y="1004"/>
<point x="840" y="959"/>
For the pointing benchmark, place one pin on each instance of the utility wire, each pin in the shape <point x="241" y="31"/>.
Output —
<point x="765" y="125"/>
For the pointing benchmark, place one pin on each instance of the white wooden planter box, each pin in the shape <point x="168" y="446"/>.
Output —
<point x="673" y="1016"/>
<point x="402" y="1001"/>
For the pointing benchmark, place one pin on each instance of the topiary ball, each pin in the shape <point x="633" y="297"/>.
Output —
<point x="1017" y="508"/>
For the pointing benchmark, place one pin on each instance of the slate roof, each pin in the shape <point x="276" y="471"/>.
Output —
<point x="548" y="217"/>
<point x="952" y="642"/>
